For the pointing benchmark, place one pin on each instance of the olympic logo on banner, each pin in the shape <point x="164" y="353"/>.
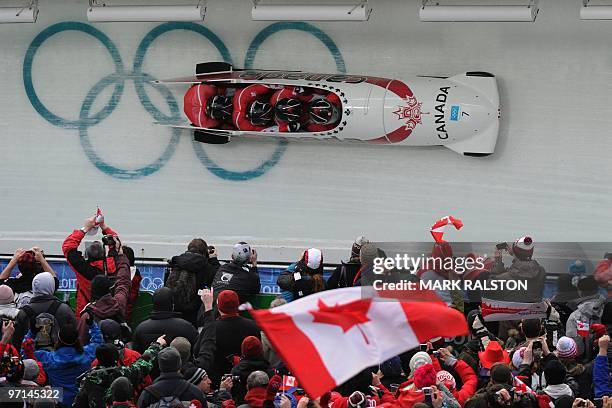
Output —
<point x="117" y="79"/>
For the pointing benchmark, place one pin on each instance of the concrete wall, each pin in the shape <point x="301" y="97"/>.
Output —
<point x="77" y="130"/>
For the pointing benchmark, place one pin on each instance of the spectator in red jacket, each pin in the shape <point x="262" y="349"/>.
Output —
<point x="252" y="108"/>
<point x="87" y="269"/>
<point x="106" y="303"/>
<point x="469" y="379"/>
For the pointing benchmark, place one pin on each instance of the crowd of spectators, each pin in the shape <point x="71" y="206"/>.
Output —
<point x="198" y="349"/>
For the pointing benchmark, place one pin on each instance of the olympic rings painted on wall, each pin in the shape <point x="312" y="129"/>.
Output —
<point x="118" y="78"/>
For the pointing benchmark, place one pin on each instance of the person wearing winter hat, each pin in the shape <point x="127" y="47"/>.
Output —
<point x="523" y="267"/>
<point x="30" y="262"/>
<point x="419" y="359"/>
<point x="69" y="359"/>
<point x="44" y="286"/>
<point x="31" y="371"/>
<point x="252" y="360"/>
<point x="424" y="376"/>
<point x="122" y="393"/>
<point x="344" y="274"/>
<point x="189" y="272"/>
<point x="226" y="334"/>
<point x="198" y="377"/>
<point x="303" y="277"/>
<point x="555" y="375"/>
<point x="183" y="346"/>
<point x="170" y="382"/>
<point x="163" y="320"/>
<point x="8" y="308"/>
<point x="238" y="275"/>
<point x="566" y="348"/>
<point x="94" y="384"/>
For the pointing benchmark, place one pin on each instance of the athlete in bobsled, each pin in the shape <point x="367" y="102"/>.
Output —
<point x="461" y="112"/>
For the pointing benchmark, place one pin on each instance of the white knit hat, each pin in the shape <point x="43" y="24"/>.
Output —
<point x="517" y="357"/>
<point x="419" y="359"/>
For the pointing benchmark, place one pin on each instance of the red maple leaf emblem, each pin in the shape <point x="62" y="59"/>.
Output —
<point x="346" y="316"/>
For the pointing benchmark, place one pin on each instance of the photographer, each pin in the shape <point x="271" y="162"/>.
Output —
<point x="97" y="262"/>
<point x="236" y="275"/>
<point x="108" y="301"/>
<point x="303" y="277"/>
<point x="30" y="263"/>
<point x="189" y="272"/>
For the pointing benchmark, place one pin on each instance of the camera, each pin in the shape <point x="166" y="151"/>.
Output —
<point x="502" y="245"/>
<point x="235" y="378"/>
<point x="537" y="345"/>
<point x="211" y="249"/>
<point x="108" y="240"/>
<point x="608" y="256"/>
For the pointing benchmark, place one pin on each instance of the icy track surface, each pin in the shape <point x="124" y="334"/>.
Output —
<point x="77" y="130"/>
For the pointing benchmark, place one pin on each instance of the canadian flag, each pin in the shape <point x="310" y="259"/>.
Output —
<point x="582" y="329"/>
<point x="288" y="382"/>
<point x="437" y="230"/>
<point x="328" y="337"/>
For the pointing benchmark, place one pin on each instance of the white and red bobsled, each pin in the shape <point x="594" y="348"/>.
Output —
<point x="460" y="112"/>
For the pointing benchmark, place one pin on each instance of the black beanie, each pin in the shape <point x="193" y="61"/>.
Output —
<point x="555" y="372"/>
<point x="501" y="374"/>
<point x="121" y="389"/>
<point x="107" y="355"/>
<point x="100" y="286"/>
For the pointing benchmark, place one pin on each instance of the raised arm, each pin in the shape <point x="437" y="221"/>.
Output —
<point x="6" y="272"/>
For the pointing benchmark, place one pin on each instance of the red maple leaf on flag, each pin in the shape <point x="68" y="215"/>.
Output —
<point x="346" y="316"/>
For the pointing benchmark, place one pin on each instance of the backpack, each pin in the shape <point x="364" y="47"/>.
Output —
<point x="44" y="325"/>
<point x="185" y="288"/>
<point x="171" y="401"/>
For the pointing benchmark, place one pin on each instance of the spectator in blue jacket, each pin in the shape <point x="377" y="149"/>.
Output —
<point x="601" y="371"/>
<point x="69" y="359"/>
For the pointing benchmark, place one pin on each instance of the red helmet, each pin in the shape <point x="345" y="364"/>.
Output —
<point x="323" y="112"/>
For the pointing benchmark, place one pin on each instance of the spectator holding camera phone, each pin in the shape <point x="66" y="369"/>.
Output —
<point x="97" y="261"/>
<point x="236" y="275"/>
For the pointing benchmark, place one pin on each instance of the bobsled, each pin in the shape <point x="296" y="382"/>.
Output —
<point x="461" y="112"/>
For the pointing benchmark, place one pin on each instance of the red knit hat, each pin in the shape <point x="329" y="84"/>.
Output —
<point x="494" y="353"/>
<point x="251" y="347"/>
<point x="425" y="376"/>
<point x="228" y="302"/>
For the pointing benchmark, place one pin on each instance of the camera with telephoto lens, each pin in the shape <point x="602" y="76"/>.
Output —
<point x="608" y="256"/>
<point x="108" y="240"/>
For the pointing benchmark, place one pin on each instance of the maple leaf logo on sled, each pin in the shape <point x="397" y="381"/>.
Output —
<point x="411" y="112"/>
<point x="345" y="316"/>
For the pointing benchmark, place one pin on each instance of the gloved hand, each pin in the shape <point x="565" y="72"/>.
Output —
<point x="273" y="386"/>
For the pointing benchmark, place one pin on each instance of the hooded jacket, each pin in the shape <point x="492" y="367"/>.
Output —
<point x="84" y="270"/>
<point x="163" y="320"/>
<point x="109" y="306"/>
<point x="255" y="398"/>
<point x="204" y="269"/>
<point x="41" y="302"/>
<point x="589" y="311"/>
<point x="65" y="364"/>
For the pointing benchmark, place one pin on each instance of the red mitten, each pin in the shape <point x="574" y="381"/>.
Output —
<point x="273" y="386"/>
<point x="28" y="348"/>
